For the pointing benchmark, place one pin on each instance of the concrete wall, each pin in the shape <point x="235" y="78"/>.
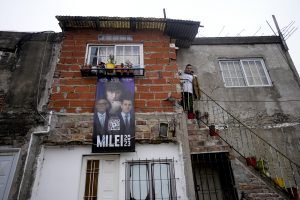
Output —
<point x="27" y="65"/>
<point x="274" y="112"/>
<point x="59" y="169"/>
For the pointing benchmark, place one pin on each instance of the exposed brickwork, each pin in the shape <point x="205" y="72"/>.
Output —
<point x="201" y="142"/>
<point x="72" y="93"/>
<point x="78" y="129"/>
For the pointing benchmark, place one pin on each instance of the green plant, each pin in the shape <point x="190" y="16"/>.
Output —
<point x="111" y="59"/>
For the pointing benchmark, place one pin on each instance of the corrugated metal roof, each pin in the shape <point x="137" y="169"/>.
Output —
<point x="182" y="30"/>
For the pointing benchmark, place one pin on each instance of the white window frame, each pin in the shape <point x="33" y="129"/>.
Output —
<point x="15" y="152"/>
<point x="101" y="158"/>
<point x="141" y="53"/>
<point x="244" y="74"/>
<point x="151" y="182"/>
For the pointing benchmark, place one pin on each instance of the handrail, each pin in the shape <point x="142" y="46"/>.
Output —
<point x="272" y="163"/>
<point x="202" y="92"/>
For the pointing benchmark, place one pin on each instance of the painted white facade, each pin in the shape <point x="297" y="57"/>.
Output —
<point x="59" y="169"/>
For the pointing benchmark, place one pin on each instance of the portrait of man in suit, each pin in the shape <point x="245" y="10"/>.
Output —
<point x="126" y="115"/>
<point x="101" y="116"/>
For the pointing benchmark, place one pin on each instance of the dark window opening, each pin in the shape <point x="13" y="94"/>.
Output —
<point x="213" y="177"/>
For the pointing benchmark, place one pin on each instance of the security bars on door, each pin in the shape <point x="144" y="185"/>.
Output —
<point x="213" y="177"/>
<point x="150" y="179"/>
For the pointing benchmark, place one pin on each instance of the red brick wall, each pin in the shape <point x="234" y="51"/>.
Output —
<point x="73" y="93"/>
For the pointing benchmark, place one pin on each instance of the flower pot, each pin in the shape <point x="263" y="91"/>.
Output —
<point x="213" y="131"/>
<point x="110" y="66"/>
<point x="279" y="181"/>
<point x="251" y="161"/>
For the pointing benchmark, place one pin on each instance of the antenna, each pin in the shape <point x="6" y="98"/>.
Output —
<point x="280" y="34"/>
<point x="240" y="32"/>
<point x="271" y="27"/>
<point x="221" y="30"/>
<point x="165" y="15"/>
<point x="257" y="31"/>
<point x="287" y="37"/>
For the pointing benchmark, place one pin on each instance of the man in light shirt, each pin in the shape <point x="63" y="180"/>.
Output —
<point x="190" y="90"/>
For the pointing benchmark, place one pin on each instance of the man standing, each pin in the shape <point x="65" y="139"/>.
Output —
<point x="190" y="89"/>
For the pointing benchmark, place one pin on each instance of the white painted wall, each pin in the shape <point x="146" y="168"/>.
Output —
<point x="59" y="169"/>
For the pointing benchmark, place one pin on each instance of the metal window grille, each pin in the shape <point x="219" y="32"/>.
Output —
<point x="150" y="179"/>
<point x="91" y="182"/>
<point x="213" y="177"/>
<point x="245" y="73"/>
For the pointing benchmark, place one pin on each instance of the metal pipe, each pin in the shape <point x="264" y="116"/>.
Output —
<point x="29" y="147"/>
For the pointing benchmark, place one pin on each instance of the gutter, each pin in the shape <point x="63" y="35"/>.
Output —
<point x="29" y="163"/>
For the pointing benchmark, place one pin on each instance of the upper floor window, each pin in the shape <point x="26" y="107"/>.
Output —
<point x="245" y="73"/>
<point x="123" y="53"/>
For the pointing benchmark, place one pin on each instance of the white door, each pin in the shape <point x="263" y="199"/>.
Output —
<point x="103" y="171"/>
<point x="108" y="179"/>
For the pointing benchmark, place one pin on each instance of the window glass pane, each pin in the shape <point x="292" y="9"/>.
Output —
<point x="139" y="187"/>
<point x="136" y="50"/>
<point x="250" y="81"/>
<point x="228" y="82"/>
<point x="93" y="56"/>
<point x="161" y="180"/>
<point x="125" y="54"/>
<point x="242" y="82"/>
<point x="265" y="80"/>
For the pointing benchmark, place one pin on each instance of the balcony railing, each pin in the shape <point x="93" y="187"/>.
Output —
<point x="120" y="72"/>
<point x="258" y="153"/>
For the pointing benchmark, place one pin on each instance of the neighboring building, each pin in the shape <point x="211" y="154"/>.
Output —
<point x="27" y="64"/>
<point x="253" y="79"/>
<point x="170" y="156"/>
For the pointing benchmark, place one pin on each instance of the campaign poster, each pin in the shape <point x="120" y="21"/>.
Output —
<point x="114" y="117"/>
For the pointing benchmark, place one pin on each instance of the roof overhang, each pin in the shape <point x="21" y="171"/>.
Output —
<point x="183" y="31"/>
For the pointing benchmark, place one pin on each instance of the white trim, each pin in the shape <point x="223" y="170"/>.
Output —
<point x="141" y="51"/>
<point x="244" y="73"/>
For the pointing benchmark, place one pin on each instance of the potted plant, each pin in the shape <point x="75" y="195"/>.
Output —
<point x="111" y="62"/>
<point x="128" y="65"/>
<point x="251" y="161"/>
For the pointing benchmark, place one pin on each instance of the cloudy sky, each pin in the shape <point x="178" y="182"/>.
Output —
<point x="219" y="17"/>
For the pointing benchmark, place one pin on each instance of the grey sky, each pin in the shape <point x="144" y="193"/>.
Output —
<point x="219" y="17"/>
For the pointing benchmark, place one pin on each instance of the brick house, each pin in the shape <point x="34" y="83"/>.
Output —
<point x="210" y="157"/>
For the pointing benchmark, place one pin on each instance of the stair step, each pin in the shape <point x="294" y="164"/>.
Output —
<point x="209" y="149"/>
<point x="263" y="195"/>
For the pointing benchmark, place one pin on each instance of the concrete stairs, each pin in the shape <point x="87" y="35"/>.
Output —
<point x="200" y="140"/>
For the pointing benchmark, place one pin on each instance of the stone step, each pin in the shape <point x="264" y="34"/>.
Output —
<point x="210" y="149"/>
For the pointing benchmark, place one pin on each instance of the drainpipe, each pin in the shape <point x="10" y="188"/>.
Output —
<point x="28" y="164"/>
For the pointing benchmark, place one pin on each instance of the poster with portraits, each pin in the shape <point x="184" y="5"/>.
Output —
<point x="114" y="118"/>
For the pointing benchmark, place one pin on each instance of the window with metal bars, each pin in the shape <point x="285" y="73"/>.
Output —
<point x="91" y="186"/>
<point x="249" y="72"/>
<point x="213" y="177"/>
<point x="150" y="179"/>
